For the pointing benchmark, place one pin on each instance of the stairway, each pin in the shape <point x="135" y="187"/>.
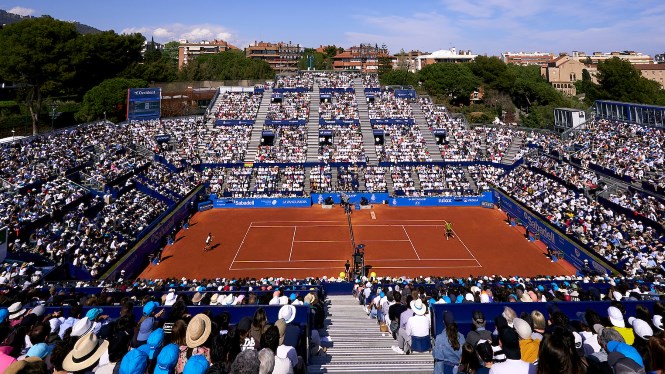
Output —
<point x="430" y="142"/>
<point x="514" y="148"/>
<point x="389" y="182"/>
<point x="357" y="346"/>
<point x="365" y="126"/>
<point x="313" y="126"/>
<point x="255" y="138"/>
<point x="472" y="182"/>
<point x="416" y="178"/>
<point x="307" y="189"/>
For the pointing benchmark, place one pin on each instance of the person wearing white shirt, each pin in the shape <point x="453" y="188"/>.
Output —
<point x="418" y="325"/>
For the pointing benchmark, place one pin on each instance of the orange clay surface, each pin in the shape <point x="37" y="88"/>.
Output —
<point x="301" y="242"/>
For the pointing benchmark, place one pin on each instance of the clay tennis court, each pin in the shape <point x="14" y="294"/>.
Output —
<point x="301" y="242"/>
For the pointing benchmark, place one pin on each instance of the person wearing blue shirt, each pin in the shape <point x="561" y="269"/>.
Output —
<point x="447" y="350"/>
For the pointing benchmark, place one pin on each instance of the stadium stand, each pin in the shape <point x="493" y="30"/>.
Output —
<point x="82" y="198"/>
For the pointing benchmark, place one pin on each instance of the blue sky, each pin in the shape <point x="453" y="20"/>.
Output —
<point x="483" y="26"/>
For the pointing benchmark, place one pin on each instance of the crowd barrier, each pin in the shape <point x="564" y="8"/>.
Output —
<point x="372" y="90"/>
<point x="574" y="253"/>
<point x="262" y="202"/>
<point x="463" y="311"/>
<point x="392" y="121"/>
<point x="234" y="122"/>
<point x="290" y="89"/>
<point x="136" y="258"/>
<point x="485" y="197"/>
<point x="286" y="122"/>
<point x="329" y="90"/>
<point x="342" y="122"/>
<point x="354" y="197"/>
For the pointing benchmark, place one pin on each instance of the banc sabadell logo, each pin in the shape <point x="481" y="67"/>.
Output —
<point x="145" y="92"/>
<point x="274" y="202"/>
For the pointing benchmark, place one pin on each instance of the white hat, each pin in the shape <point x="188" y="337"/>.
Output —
<point x="522" y="328"/>
<point x="578" y="339"/>
<point x="641" y="328"/>
<point x="16" y="310"/>
<point x="616" y="317"/>
<point x="658" y="322"/>
<point x="283" y="300"/>
<point x="87" y="351"/>
<point x="287" y="312"/>
<point x="82" y="327"/>
<point x="170" y="299"/>
<point x="418" y="307"/>
<point x="229" y="300"/>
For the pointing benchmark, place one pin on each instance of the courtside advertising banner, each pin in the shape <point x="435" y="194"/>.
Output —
<point x="144" y="103"/>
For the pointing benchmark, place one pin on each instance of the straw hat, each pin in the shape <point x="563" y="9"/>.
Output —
<point x="16" y="310"/>
<point x="198" y="330"/>
<point x="197" y="297"/>
<point x="87" y="350"/>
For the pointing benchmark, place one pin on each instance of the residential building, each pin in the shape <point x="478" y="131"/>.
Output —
<point x="660" y="58"/>
<point x="444" y="55"/>
<point x="151" y="44"/>
<point x="654" y="72"/>
<point x="527" y="58"/>
<point x="364" y="58"/>
<point x="282" y="57"/>
<point x="408" y="60"/>
<point x="563" y="71"/>
<point x="596" y="57"/>
<point x="187" y="51"/>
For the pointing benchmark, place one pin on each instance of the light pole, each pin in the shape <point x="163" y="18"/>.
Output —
<point x="13" y="135"/>
<point x="54" y="114"/>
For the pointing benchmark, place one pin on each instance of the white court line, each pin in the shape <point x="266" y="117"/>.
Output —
<point x="465" y="247"/>
<point x="342" y="225"/>
<point x="346" y="241"/>
<point x="240" y="246"/>
<point x="374" y="267"/>
<point x="293" y="241"/>
<point x="377" y="260"/>
<point x="412" y="246"/>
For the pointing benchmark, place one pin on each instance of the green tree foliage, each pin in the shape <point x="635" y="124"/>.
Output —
<point x="171" y="50"/>
<point x="152" y="54"/>
<point x="453" y="81"/>
<point x="321" y="61"/>
<point x="36" y="53"/>
<point x="162" y="70"/>
<point x="108" y="97"/>
<point x="229" y="65"/>
<point x="399" y="77"/>
<point x="104" y="55"/>
<point x="385" y="65"/>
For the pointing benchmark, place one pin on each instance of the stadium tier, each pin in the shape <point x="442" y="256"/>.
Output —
<point x="99" y="214"/>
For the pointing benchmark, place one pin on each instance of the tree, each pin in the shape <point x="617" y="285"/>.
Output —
<point x="228" y="65"/>
<point x="108" y="97"/>
<point x="171" y="50"/>
<point x="320" y="61"/>
<point x="36" y="54"/>
<point x="399" y="77"/>
<point x="152" y="54"/>
<point x="619" y="80"/>
<point x="455" y="81"/>
<point x="103" y="56"/>
<point x="385" y="65"/>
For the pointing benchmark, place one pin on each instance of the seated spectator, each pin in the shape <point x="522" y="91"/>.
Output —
<point x="478" y="331"/>
<point x="418" y="325"/>
<point x="558" y="355"/>
<point x="86" y="353"/>
<point x="528" y="346"/>
<point x="509" y="341"/>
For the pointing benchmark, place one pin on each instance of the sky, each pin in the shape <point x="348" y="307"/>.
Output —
<point x="486" y="27"/>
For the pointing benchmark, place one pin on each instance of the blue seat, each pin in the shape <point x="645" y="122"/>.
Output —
<point x="421" y="344"/>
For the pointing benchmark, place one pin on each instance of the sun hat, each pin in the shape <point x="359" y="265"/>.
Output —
<point x="135" y="361"/>
<point x="287" y="313"/>
<point x="87" y="350"/>
<point x="40" y="350"/>
<point x="418" y="307"/>
<point x="197" y="297"/>
<point x="166" y="359"/>
<point x="145" y="329"/>
<point x="15" y="310"/>
<point x="616" y="317"/>
<point x="149" y="307"/>
<point x="170" y="298"/>
<point x="229" y="299"/>
<point x="94" y="313"/>
<point x="214" y="298"/>
<point x="82" y="327"/>
<point x="198" y="330"/>
<point x="196" y="364"/>
<point x="658" y="322"/>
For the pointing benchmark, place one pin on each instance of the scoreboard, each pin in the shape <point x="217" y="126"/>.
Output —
<point x="144" y="103"/>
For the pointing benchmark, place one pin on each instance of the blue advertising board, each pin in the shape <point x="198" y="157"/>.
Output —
<point x="442" y="200"/>
<point x="346" y="122"/>
<point x="573" y="253"/>
<point x="336" y="89"/>
<point x="286" y="122"/>
<point x="392" y="121"/>
<point x="144" y="103"/>
<point x="234" y="122"/>
<point x="354" y="197"/>
<point x="325" y="133"/>
<point x="262" y="202"/>
<point x="408" y="94"/>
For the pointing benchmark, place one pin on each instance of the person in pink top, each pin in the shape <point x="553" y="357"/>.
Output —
<point x="5" y="358"/>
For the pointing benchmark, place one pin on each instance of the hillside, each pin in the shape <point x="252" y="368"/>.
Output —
<point x="7" y="18"/>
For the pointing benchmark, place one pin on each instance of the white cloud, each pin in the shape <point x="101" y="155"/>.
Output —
<point x="193" y="33"/>
<point x="21" y="11"/>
